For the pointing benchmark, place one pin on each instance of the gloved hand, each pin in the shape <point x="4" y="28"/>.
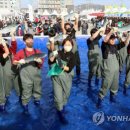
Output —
<point x="55" y="53"/>
<point x="110" y="22"/>
<point x="52" y="25"/>
<point x="5" y="55"/>
<point x="22" y="61"/>
<point x="65" y="36"/>
<point x="38" y="60"/>
<point x="101" y="33"/>
<point x="12" y="32"/>
<point x="3" y="42"/>
<point x="102" y="29"/>
<point x="115" y="29"/>
<point x="119" y="34"/>
<point x="51" y="39"/>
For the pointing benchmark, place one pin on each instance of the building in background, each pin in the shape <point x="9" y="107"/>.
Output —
<point x="9" y="7"/>
<point x="69" y="5"/>
<point x="24" y="10"/>
<point x="4" y="4"/>
<point x="14" y="5"/>
<point x="88" y="6"/>
<point x="24" y="7"/>
<point x="51" y="5"/>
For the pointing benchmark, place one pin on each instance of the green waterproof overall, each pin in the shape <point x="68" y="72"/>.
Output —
<point x="110" y="75"/>
<point x="95" y="62"/>
<point x="12" y="79"/>
<point x="127" y="80"/>
<point x="31" y="82"/>
<point x="2" y="86"/>
<point x="62" y="87"/>
<point x="122" y="54"/>
<point x="76" y="52"/>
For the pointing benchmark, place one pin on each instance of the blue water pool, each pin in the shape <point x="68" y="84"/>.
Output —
<point x="81" y="106"/>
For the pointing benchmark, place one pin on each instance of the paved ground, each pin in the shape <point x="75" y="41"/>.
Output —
<point x="90" y="26"/>
<point x="8" y="29"/>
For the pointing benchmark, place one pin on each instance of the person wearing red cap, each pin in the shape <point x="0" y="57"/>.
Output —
<point x="110" y="72"/>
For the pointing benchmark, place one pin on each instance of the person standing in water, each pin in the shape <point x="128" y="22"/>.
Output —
<point x="94" y="55"/>
<point x="70" y="30"/>
<point x="30" y="73"/>
<point x="12" y="76"/>
<point x="62" y="83"/>
<point x="4" y="52"/>
<point x="110" y="72"/>
<point x="127" y="79"/>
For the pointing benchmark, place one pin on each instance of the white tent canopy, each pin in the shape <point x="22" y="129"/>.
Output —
<point x="45" y="13"/>
<point x="84" y="12"/>
<point x="64" y="13"/>
<point x="55" y="13"/>
<point x="70" y="16"/>
<point x="40" y="12"/>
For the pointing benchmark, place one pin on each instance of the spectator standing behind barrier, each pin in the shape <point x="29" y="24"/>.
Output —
<point x="84" y="27"/>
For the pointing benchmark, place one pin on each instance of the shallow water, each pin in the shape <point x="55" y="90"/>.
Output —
<point x="80" y="107"/>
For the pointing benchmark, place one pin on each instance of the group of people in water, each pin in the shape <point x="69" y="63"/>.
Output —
<point x="105" y="62"/>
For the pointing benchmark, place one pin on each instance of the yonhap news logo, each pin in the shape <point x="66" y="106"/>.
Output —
<point x="99" y="118"/>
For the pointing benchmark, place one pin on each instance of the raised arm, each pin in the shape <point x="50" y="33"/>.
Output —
<point x="96" y="34"/>
<point x="3" y="42"/>
<point x="6" y="53"/>
<point x="13" y="47"/>
<point x="76" y="22"/>
<point x="108" y="35"/>
<point x="122" y="44"/>
<point x="119" y="35"/>
<point x="127" y="39"/>
<point x="52" y="46"/>
<point x="63" y="25"/>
